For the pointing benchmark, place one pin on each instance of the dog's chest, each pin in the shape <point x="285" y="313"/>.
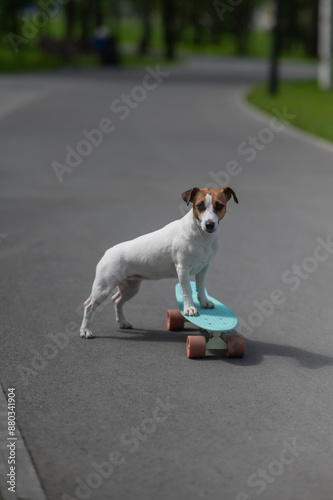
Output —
<point x="199" y="258"/>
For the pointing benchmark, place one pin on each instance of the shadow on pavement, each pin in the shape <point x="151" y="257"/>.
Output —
<point x="257" y="350"/>
<point x="254" y="354"/>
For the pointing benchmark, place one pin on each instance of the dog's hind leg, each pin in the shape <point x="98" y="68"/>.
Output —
<point x="126" y="291"/>
<point x="100" y="292"/>
<point x="85" y="333"/>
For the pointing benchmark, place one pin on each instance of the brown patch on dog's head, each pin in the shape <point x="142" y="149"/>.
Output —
<point x="228" y="192"/>
<point x="188" y="196"/>
<point x="199" y="203"/>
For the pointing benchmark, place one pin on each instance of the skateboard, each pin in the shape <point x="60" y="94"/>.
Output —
<point x="215" y="322"/>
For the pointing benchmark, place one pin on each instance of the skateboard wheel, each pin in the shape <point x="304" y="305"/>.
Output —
<point x="236" y="346"/>
<point x="196" y="346"/>
<point x="175" y="320"/>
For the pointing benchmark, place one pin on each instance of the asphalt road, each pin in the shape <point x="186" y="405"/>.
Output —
<point x="127" y="415"/>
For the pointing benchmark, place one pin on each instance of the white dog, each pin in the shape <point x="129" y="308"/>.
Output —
<point x="181" y="249"/>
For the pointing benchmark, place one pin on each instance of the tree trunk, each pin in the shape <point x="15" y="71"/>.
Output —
<point x="273" y="84"/>
<point x="169" y="21"/>
<point x="85" y="16"/>
<point x="325" y="45"/>
<point x="241" y="27"/>
<point x="10" y="16"/>
<point x="215" y="32"/>
<point x="146" y="27"/>
<point x="99" y="14"/>
<point x="313" y="30"/>
<point x="197" y="28"/>
<point x="70" y="19"/>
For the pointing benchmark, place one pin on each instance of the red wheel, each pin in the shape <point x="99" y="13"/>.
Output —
<point x="196" y="346"/>
<point x="236" y="346"/>
<point x="175" y="320"/>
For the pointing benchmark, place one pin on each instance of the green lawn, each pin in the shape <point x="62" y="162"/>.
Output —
<point x="128" y="32"/>
<point x="312" y="107"/>
<point x="26" y="60"/>
<point x="31" y="58"/>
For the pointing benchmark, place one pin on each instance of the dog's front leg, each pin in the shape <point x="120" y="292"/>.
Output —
<point x="200" y="280"/>
<point x="184" y="280"/>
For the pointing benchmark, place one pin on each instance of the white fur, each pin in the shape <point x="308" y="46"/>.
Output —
<point x="179" y="250"/>
<point x="209" y="215"/>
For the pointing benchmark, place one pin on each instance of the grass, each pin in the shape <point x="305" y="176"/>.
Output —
<point x="33" y="59"/>
<point x="128" y="32"/>
<point x="27" y="60"/>
<point x="312" y="107"/>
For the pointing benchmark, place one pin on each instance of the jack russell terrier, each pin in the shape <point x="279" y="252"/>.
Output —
<point x="181" y="249"/>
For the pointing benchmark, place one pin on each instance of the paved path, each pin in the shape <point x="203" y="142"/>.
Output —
<point x="127" y="415"/>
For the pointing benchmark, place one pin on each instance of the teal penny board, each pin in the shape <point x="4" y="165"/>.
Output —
<point x="219" y="319"/>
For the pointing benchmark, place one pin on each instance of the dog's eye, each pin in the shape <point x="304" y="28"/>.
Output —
<point x="219" y="206"/>
<point x="201" y="207"/>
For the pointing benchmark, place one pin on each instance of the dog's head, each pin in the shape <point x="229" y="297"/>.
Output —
<point x="209" y="205"/>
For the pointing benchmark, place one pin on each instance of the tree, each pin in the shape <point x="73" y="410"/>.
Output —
<point x="325" y="45"/>
<point x="169" y="11"/>
<point x="313" y="29"/>
<point x="70" y="15"/>
<point x="145" y="11"/>
<point x="236" y="18"/>
<point x="10" y="15"/>
<point x="275" y="52"/>
<point x="86" y="11"/>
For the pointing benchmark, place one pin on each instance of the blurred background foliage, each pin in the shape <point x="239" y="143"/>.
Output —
<point x="50" y="33"/>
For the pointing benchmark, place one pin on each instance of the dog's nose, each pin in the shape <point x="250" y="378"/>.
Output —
<point x="210" y="225"/>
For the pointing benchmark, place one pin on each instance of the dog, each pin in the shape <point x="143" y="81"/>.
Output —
<point x="180" y="249"/>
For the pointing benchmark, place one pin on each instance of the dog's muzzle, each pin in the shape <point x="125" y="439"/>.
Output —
<point x="210" y="226"/>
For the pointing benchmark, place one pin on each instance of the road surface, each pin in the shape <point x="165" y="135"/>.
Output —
<point x="93" y="157"/>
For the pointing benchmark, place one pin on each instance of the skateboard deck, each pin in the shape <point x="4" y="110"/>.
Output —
<point x="216" y="322"/>
<point x="220" y="319"/>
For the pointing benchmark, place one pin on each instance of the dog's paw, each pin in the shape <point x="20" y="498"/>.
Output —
<point x="190" y="311"/>
<point x="86" y="334"/>
<point x="207" y="304"/>
<point x="125" y="325"/>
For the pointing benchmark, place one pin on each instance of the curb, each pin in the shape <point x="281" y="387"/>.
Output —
<point x="15" y="102"/>
<point x="28" y="486"/>
<point x="291" y="130"/>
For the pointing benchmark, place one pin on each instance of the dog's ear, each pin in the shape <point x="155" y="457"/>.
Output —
<point x="188" y="196"/>
<point x="228" y="192"/>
